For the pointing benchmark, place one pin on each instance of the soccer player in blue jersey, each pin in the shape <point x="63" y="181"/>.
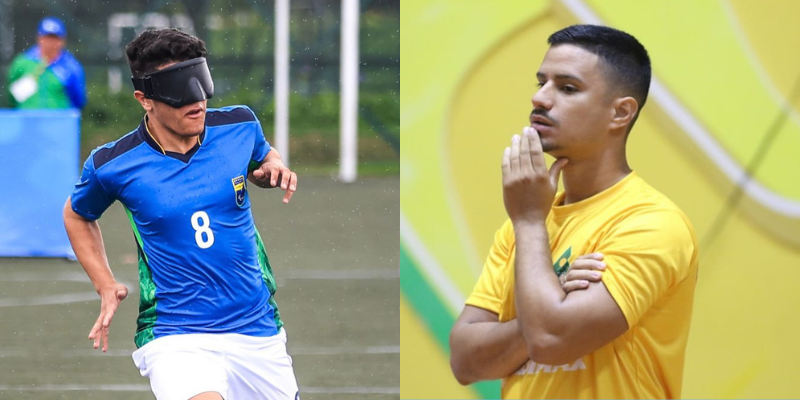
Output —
<point x="208" y="325"/>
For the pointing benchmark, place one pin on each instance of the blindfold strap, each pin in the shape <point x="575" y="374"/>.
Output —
<point x="144" y="85"/>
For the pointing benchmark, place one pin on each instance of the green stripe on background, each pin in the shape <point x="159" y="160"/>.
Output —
<point x="434" y="313"/>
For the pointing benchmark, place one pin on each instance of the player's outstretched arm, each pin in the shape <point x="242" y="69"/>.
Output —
<point x="273" y="172"/>
<point x="87" y="242"/>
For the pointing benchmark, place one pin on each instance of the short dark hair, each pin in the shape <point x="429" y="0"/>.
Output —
<point x="626" y="60"/>
<point x="157" y="47"/>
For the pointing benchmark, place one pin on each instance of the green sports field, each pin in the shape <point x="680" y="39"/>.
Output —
<point x="334" y="251"/>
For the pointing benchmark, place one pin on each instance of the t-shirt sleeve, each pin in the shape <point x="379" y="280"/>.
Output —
<point x="646" y="254"/>
<point x="261" y="147"/>
<point x="90" y="199"/>
<point x="491" y="290"/>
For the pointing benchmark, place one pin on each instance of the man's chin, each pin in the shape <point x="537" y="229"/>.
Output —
<point x="549" y="148"/>
<point x="193" y="132"/>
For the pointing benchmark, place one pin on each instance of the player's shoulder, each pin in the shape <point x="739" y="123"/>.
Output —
<point x="650" y="197"/>
<point x="229" y="115"/>
<point x="504" y="237"/>
<point x="105" y="154"/>
<point x="650" y="204"/>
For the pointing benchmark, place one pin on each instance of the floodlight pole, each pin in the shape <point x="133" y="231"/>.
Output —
<point x="282" y="79"/>
<point x="348" y="108"/>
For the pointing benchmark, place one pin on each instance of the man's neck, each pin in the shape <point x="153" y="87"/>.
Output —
<point x="584" y="179"/>
<point x="169" y="140"/>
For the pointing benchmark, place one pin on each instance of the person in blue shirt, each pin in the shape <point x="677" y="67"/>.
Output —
<point x="208" y="325"/>
<point x="47" y="76"/>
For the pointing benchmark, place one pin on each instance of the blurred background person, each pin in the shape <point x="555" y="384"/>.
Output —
<point x="47" y="75"/>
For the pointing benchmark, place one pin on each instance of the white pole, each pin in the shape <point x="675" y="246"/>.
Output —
<point x="282" y="79"/>
<point x="348" y="109"/>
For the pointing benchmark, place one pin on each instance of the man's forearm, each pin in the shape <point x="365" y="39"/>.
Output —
<point x="273" y="157"/>
<point x="87" y="242"/>
<point x="486" y="350"/>
<point x="537" y="290"/>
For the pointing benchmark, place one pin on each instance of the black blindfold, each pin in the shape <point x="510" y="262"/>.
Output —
<point x="184" y="83"/>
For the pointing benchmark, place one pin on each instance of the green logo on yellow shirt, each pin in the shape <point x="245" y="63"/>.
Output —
<point x="561" y="265"/>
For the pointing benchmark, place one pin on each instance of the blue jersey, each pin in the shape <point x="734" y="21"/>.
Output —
<point x="202" y="265"/>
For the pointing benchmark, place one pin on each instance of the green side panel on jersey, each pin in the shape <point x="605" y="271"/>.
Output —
<point x="147" y="293"/>
<point x="269" y="279"/>
<point x="253" y="165"/>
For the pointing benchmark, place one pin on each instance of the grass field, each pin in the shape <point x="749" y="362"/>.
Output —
<point x="334" y="251"/>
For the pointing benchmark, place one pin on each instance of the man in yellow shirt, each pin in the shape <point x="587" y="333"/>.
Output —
<point x="622" y="336"/>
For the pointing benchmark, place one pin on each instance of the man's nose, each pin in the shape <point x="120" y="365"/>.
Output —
<point x="542" y="98"/>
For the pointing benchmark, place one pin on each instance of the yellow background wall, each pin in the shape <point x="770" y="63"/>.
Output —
<point x="467" y="75"/>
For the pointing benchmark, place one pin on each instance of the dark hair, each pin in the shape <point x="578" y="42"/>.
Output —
<point x="154" y="48"/>
<point x="627" y="64"/>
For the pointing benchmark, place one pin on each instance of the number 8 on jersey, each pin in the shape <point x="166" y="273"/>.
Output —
<point x="202" y="225"/>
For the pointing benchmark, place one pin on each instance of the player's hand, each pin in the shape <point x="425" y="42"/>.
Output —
<point x="528" y="186"/>
<point x="270" y="175"/>
<point x="584" y="270"/>
<point x="109" y="302"/>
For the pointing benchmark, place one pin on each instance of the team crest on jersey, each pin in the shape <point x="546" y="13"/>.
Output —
<point x="561" y="265"/>
<point x="239" y="189"/>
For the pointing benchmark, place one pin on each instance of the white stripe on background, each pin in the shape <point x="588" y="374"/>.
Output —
<point x="761" y="73"/>
<point x="453" y="299"/>
<point x="705" y="141"/>
<point x="46" y="276"/>
<point x="57" y="299"/>
<point x="48" y="300"/>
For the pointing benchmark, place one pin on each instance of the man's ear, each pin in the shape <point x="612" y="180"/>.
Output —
<point x="146" y="103"/>
<point x="625" y="109"/>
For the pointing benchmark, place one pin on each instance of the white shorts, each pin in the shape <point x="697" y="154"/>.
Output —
<point x="238" y="367"/>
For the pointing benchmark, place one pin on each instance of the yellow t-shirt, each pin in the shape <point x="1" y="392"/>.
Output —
<point x="651" y="269"/>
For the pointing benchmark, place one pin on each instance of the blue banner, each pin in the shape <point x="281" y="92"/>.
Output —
<point x="39" y="165"/>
